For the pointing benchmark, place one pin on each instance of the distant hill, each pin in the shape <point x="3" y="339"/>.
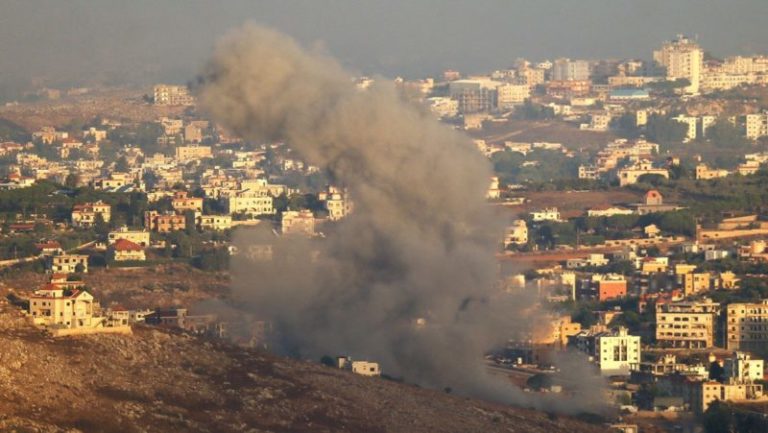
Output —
<point x="10" y="131"/>
<point x="155" y="381"/>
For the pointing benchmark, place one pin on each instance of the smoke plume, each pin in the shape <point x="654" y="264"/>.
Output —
<point x="420" y="243"/>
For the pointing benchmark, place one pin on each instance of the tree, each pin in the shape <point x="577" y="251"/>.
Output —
<point x="665" y="130"/>
<point x="716" y="371"/>
<point x="539" y="381"/>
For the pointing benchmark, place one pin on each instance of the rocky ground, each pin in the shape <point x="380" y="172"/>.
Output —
<point x="159" y="381"/>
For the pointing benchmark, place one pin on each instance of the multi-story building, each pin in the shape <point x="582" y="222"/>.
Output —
<point x="570" y="70"/>
<point x="165" y="94"/>
<point x="744" y="368"/>
<point x="190" y="153"/>
<point x="516" y="233"/>
<point x="249" y="204"/>
<point x="687" y="324"/>
<point x="164" y="222"/>
<point x="755" y="125"/>
<point x="86" y="214"/>
<point x="68" y="263"/>
<point x="682" y="58"/>
<point x="615" y="352"/>
<point x="58" y="307"/>
<point x="182" y="202"/>
<point x="337" y="203"/>
<point x="510" y="95"/>
<point x="140" y="237"/>
<point x="691" y="123"/>
<point x="747" y="327"/>
<point x="704" y="394"/>
<point x="474" y="96"/>
<point x="214" y="222"/>
<point x="124" y="250"/>
<point x="298" y="222"/>
<point x="703" y="172"/>
<point x="630" y="175"/>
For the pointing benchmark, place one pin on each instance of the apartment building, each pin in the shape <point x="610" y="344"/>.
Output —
<point x="703" y="394"/>
<point x="570" y="70"/>
<point x="164" y="222"/>
<point x="687" y="324"/>
<point x="337" y="203"/>
<point x="165" y="94"/>
<point x="214" y="222"/>
<point x="744" y="368"/>
<point x="615" y="352"/>
<point x="516" y="233"/>
<point x="703" y="172"/>
<point x="182" y="202"/>
<point x="191" y="153"/>
<point x="682" y="58"/>
<point x="747" y="327"/>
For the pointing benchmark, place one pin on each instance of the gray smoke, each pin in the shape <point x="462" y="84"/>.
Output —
<point x="419" y="244"/>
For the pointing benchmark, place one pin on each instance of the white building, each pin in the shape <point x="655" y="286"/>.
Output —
<point x="615" y="352"/>
<point x="682" y="58"/>
<point x="547" y="214"/>
<point x="741" y="367"/>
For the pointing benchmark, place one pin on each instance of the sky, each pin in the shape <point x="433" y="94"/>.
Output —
<point x="82" y="42"/>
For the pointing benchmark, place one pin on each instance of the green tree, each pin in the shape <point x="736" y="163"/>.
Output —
<point x="664" y="130"/>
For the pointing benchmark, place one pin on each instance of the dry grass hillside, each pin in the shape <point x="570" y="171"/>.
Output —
<point x="156" y="381"/>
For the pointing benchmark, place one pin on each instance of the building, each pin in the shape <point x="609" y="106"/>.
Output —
<point x="191" y="153"/>
<point x="547" y="214"/>
<point x="703" y="172"/>
<point x="693" y="282"/>
<point x="705" y="393"/>
<point x="494" y="192"/>
<point x="743" y="368"/>
<point x="755" y="125"/>
<point x="630" y="175"/>
<point x="510" y="95"/>
<point x="615" y="352"/>
<point x="691" y="123"/>
<point x="570" y="70"/>
<point x="182" y="202"/>
<point x="687" y="324"/>
<point x="516" y="233"/>
<point x="337" y="203"/>
<point x="747" y="327"/>
<point x="51" y="306"/>
<point x="363" y="368"/>
<point x="68" y="264"/>
<point x="682" y="58"/>
<point x="140" y="237"/>
<point x="124" y="250"/>
<point x="249" y="204"/>
<point x="214" y="222"/>
<point x="474" y="96"/>
<point x="165" y="94"/>
<point x="610" y="286"/>
<point x="85" y="215"/>
<point x="589" y="172"/>
<point x="164" y="222"/>
<point x="298" y="222"/>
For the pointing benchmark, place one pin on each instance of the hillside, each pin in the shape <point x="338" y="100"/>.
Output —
<point x="154" y="381"/>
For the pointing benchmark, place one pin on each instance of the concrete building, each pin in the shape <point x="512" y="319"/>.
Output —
<point x="691" y="123"/>
<point x="615" y="352"/>
<point x="755" y="125"/>
<point x="124" y="250"/>
<point x="687" y="324"/>
<point x="516" y="233"/>
<point x="164" y="222"/>
<point x="704" y="394"/>
<point x="743" y="368"/>
<point x="214" y="222"/>
<point x="747" y="327"/>
<point x="337" y="203"/>
<point x="51" y="306"/>
<point x="703" y="172"/>
<point x="474" y="96"/>
<point x="363" y="368"/>
<point x="140" y="237"/>
<point x="547" y="214"/>
<point x="570" y="70"/>
<point x="191" y="153"/>
<point x="682" y="58"/>
<point x="298" y="223"/>
<point x="630" y="175"/>
<point x="249" y="204"/>
<point x="165" y="94"/>
<point x="510" y="95"/>
<point x="182" y="202"/>
<point x="68" y="264"/>
<point x="85" y="215"/>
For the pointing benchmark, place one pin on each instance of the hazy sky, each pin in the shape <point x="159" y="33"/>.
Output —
<point x="149" y="40"/>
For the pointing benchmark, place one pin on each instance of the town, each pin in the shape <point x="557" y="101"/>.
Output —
<point x="633" y="193"/>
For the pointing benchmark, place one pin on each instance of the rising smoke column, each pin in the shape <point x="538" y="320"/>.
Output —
<point x="419" y="244"/>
